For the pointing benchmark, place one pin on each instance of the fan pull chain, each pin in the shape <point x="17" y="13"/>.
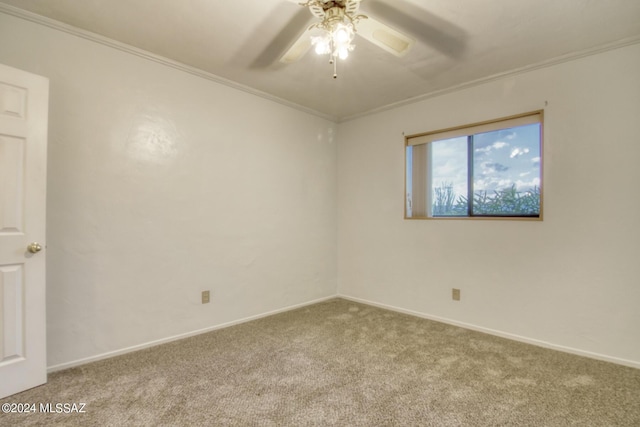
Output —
<point x="333" y="60"/>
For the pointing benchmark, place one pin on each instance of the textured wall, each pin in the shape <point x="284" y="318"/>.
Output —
<point x="162" y="184"/>
<point x="568" y="281"/>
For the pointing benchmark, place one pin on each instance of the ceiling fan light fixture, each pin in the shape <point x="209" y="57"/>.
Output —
<point x="335" y="31"/>
<point x="322" y="45"/>
<point x="337" y="26"/>
<point x="343" y="33"/>
<point x="343" y="53"/>
<point x="335" y="42"/>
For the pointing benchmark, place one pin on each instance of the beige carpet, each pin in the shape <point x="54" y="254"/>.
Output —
<point x="341" y="363"/>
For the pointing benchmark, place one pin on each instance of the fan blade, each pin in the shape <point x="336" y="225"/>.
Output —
<point x="384" y="36"/>
<point x="427" y="28"/>
<point x="351" y="6"/>
<point x="316" y="9"/>
<point x="298" y="49"/>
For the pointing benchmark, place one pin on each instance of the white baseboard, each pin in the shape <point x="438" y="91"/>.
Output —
<point x="107" y="355"/>
<point x="539" y="343"/>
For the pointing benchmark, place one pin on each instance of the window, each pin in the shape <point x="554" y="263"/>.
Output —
<point x="484" y="170"/>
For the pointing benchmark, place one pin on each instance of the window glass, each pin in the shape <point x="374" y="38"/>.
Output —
<point x="506" y="171"/>
<point x="490" y="169"/>
<point x="449" y="177"/>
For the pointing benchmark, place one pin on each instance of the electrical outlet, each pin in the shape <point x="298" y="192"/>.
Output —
<point x="205" y="297"/>
<point x="455" y="294"/>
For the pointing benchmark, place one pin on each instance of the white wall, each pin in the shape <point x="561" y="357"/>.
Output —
<point x="162" y="184"/>
<point x="571" y="281"/>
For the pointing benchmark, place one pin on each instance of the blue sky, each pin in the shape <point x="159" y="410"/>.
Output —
<point x="501" y="159"/>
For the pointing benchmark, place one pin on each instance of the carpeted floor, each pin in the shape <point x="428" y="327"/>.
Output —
<point x="340" y="363"/>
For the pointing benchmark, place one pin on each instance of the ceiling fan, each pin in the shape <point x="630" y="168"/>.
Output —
<point x="333" y="35"/>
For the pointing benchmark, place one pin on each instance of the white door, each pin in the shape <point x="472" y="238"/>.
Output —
<point x="23" y="167"/>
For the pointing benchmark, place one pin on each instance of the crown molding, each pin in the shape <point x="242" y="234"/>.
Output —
<point x="106" y="41"/>
<point x="88" y="35"/>
<point x="544" y="64"/>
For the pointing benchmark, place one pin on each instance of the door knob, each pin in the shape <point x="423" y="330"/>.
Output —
<point x="34" y="247"/>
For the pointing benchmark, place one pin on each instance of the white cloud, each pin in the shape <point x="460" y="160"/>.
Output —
<point x="487" y="168"/>
<point x="518" y="152"/>
<point x="499" y="144"/>
<point x="495" y="146"/>
<point x="450" y="168"/>
<point x="535" y="160"/>
<point x="525" y="173"/>
<point x="526" y="185"/>
<point x="481" y="184"/>
<point x="489" y="184"/>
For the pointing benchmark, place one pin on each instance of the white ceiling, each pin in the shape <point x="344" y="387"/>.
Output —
<point x="457" y="42"/>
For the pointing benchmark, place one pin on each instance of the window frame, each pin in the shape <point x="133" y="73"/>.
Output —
<point x="469" y="130"/>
